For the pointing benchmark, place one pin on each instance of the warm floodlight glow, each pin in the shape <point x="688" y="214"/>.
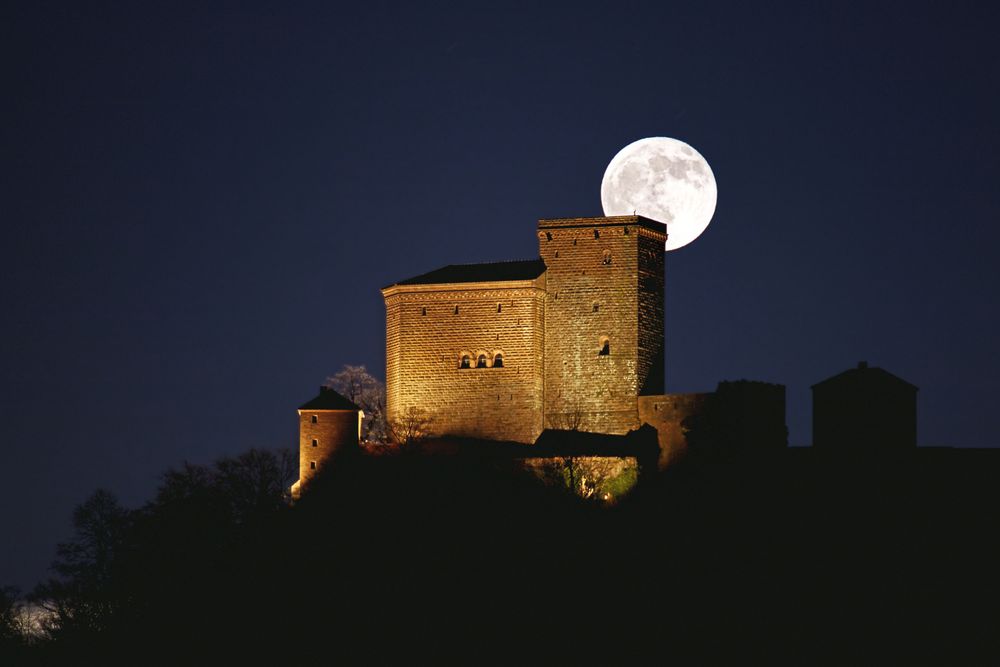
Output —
<point x="662" y="179"/>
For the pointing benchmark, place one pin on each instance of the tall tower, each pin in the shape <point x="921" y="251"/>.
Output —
<point x="603" y="319"/>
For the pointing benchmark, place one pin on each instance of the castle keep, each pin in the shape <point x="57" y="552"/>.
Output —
<point x="503" y="351"/>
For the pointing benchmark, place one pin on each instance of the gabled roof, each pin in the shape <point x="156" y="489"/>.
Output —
<point x="328" y="399"/>
<point x="528" y="269"/>
<point x="864" y="374"/>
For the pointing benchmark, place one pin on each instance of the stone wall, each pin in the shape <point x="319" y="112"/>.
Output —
<point x="665" y="413"/>
<point x="604" y="284"/>
<point x="741" y="417"/>
<point x="651" y="316"/>
<point x="429" y="327"/>
<point x="321" y="434"/>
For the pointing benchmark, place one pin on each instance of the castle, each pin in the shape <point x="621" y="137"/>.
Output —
<point x="503" y="351"/>
<point x="528" y="351"/>
<point x="570" y="341"/>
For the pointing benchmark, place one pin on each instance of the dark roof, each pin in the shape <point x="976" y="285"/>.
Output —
<point x="328" y="399"/>
<point x="478" y="273"/>
<point x="640" y="443"/>
<point x="865" y="374"/>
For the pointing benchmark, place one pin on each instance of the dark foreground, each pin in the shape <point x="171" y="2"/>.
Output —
<point x="793" y="558"/>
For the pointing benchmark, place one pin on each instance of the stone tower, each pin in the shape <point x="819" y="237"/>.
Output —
<point x="603" y="320"/>
<point x="327" y="424"/>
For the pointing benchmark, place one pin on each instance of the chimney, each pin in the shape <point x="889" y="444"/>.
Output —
<point x="323" y="389"/>
<point x="862" y="364"/>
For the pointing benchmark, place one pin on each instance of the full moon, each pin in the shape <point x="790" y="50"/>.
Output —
<point x="662" y="179"/>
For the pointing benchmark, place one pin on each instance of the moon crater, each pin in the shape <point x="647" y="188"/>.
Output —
<point x="662" y="179"/>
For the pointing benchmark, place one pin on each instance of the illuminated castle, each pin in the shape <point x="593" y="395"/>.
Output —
<point x="503" y="351"/>
<point x="571" y="341"/>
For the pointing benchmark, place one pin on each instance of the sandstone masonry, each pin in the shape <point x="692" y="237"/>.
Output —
<point x="503" y="351"/>
<point x="327" y="424"/>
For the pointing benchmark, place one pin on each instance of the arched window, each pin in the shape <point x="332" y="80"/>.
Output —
<point x="481" y="361"/>
<point x="466" y="361"/>
<point x="607" y="258"/>
<point x="498" y="360"/>
<point x="605" y="347"/>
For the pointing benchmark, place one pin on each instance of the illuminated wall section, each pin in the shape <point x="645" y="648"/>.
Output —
<point x="468" y="355"/>
<point x="603" y="319"/>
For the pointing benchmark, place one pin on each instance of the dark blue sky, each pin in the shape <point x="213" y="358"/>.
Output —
<point x="199" y="205"/>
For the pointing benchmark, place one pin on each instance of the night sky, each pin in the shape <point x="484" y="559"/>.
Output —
<point x="199" y="206"/>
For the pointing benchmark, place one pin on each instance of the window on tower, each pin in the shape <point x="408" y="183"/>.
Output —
<point x="498" y="360"/>
<point x="605" y="348"/>
<point x="315" y="419"/>
<point x="481" y="361"/>
<point x="466" y="361"/>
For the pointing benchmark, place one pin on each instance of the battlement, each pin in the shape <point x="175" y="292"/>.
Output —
<point x="602" y="221"/>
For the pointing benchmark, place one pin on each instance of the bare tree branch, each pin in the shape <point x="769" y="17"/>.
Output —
<point x="368" y="393"/>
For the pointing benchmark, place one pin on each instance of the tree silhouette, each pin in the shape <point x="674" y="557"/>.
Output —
<point x="135" y="575"/>
<point x="410" y="427"/>
<point x="571" y="420"/>
<point x="83" y="598"/>
<point x="12" y="622"/>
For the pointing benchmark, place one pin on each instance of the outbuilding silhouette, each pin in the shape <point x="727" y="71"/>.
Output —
<point x="864" y="409"/>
